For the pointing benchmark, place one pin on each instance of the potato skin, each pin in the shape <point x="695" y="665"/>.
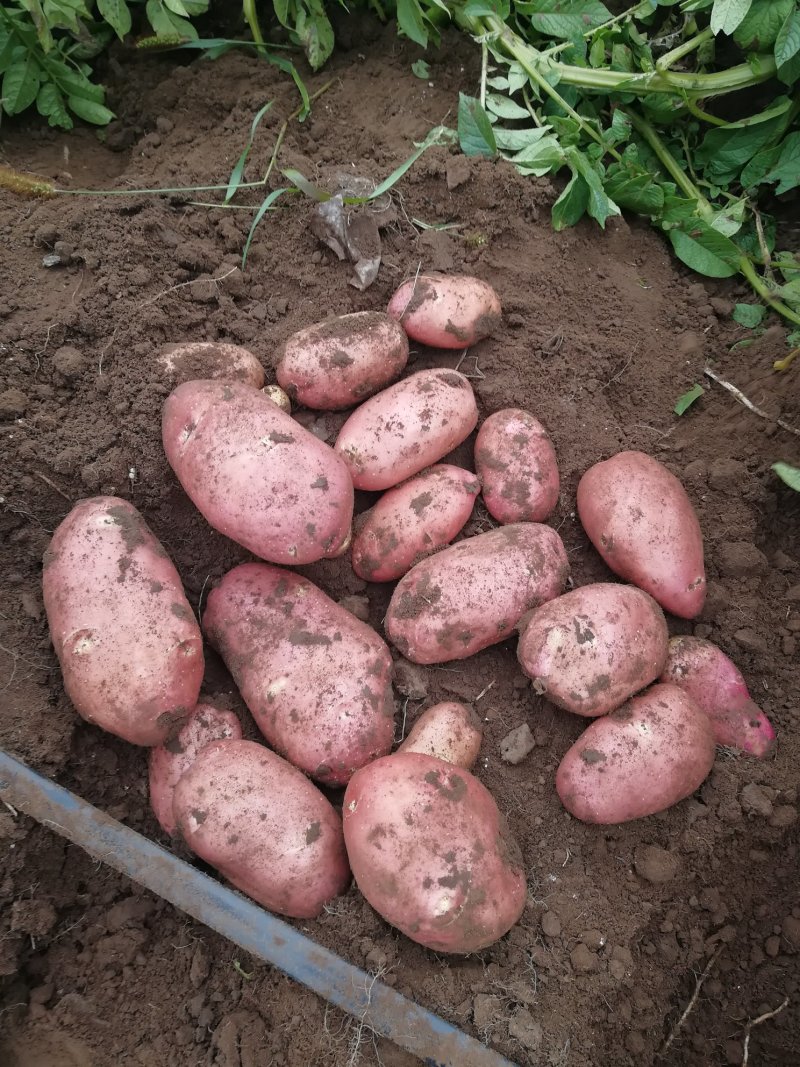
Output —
<point x="170" y="761"/>
<point x="592" y="649"/>
<point x="316" y="678"/>
<point x="431" y="852"/>
<point x="255" y="474"/>
<point x="407" y="427"/>
<point x="641" y="521"/>
<point x="125" y="635"/>
<point x="474" y="593"/>
<point x="191" y="360"/>
<point x="264" y="826"/>
<point x="338" y="363"/>
<point x="638" y="760"/>
<point x="412" y="521"/>
<point x="446" y="310"/>
<point x="516" y="463"/>
<point x="450" y="731"/>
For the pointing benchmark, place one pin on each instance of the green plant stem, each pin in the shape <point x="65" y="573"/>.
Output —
<point x="591" y="33"/>
<point x="684" y="49"/>
<point x="704" y="116"/>
<point x="249" y="9"/>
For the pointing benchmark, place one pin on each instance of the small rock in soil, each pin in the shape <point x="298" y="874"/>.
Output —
<point x="518" y="744"/>
<point x="772" y="946"/>
<point x="751" y="641"/>
<point x="723" y="308"/>
<point x="13" y="403"/>
<point x="725" y="473"/>
<point x="583" y="961"/>
<point x="784" y="815"/>
<point x="655" y="864"/>
<point x="458" y="171"/>
<point x="740" y="559"/>
<point x="46" y="235"/>
<point x="551" y="924"/>
<point x="593" y="940"/>
<point x="356" y="605"/>
<point x="755" y="801"/>
<point x="524" y="1028"/>
<point x="69" y="362"/>
<point x="410" y="680"/>
<point x="485" y="1009"/>
<point x="790" y="928"/>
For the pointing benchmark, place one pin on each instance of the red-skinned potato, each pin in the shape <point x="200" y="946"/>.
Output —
<point x="125" y="635"/>
<point x="450" y="731"/>
<point x="191" y="360"/>
<point x="446" y="310"/>
<point x="170" y="761"/>
<point x="716" y="685"/>
<point x="316" y="678"/>
<point x="589" y="650"/>
<point x="338" y="363"/>
<point x="412" y="521"/>
<point x="255" y="474"/>
<point x="264" y="826"/>
<point x="641" y="521"/>
<point x="638" y="760"/>
<point x="516" y="463"/>
<point x="474" y="593"/>
<point x="431" y="852"/>
<point x="407" y="427"/>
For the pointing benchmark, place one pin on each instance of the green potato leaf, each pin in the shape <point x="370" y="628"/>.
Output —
<point x="475" y="133"/>
<point x="684" y="402"/>
<point x="788" y="474"/>
<point x="749" y="315"/>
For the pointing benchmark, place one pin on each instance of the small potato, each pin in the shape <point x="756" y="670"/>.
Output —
<point x="407" y="427"/>
<point x="255" y="474"/>
<point x="264" y="826"/>
<point x="431" y="852"/>
<point x="316" y="678"/>
<point x="516" y="463"/>
<point x="450" y="731"/>
<point x="277" y="396"/>
<point x="591" y="649"/>
<point x="474" y="593"/>
<point x="338" y="363"/>
<point x="446" y="310"/>
<point x="129" y="645"/>
<point x="412" y="521"/>
<point x="191" y="360"/>
<point x="715" y="684"/>
<point x="641" y="759"/>
<point x="170" y="761"/>
<point x="642" y="523"/>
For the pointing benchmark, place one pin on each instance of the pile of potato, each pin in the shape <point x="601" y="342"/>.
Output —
<point x="423" y="838"/>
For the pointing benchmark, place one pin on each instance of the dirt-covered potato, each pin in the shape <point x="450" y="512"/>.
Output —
<point x="446" y="310"/>
<point x="191" y="360"/>
<point x="516" y="463"/>
<point x="450" y="731"/>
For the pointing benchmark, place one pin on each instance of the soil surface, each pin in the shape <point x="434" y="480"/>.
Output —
<point x="601" y="333"/>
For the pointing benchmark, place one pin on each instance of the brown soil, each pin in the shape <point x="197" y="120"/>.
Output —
<point x="601" y="333"/>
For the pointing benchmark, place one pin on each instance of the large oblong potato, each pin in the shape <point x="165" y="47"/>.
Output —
<point x="446" y="310"/>
<point x="641" y="521"/>
<point x="340" y="362"/>
<point x="125" y="635"/>
<point x="431" y="852"/>
<point x="591" y="649"/>
<point x="264" y="826"/>
<point x="474" y="593"/>
<point x="641" y="759"/>
<point x="255" y="474"/>
<point x="316" y="678"/>
<point x="516" y="463"/>
<point x="407" y="427"/>
<point x="190" y="360"/>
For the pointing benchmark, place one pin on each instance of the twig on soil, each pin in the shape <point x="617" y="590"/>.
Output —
<point x="47" y="481"/>
<point x="200" y="599"/>
<point x="483" y="692"/>
<point x="757" y="1022"/>
<point x="749" y="403"/>
<point x="687" y="1011"/>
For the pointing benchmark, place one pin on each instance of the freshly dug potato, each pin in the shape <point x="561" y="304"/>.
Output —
<point x="412" y="521"/>
<point x="338" y="363"/>
<point x="638" y="760"/>
<point x="516" y="463"/>
<point x="264" y="826"/>
<point x="591" y="649"/>
<point x="255" y="474"/>
<point x="474" y="593"/>
<point x="717" y="687"/>
<point x="191" y="360"/>
<point x="431" y="852"/>
<point x="641" y="521"/>
<point x="170" y="761"/>
<point x="446" y="310"/>
<point x="450" y="731"/>
<point x="316" y="678"/>
<point x="407" y="427"/>
<point x="277" y="396"/>
<point x="128" y="643"/>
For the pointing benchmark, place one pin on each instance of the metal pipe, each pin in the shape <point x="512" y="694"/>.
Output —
<point x="264" y="936"/>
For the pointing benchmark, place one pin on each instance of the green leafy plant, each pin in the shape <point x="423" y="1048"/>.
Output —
<point x="788" y="474"/>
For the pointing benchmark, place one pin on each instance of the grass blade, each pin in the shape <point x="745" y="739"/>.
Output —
<point x="236" y="174"/>
<point x="439" y="135"/>
<point x="265" y="207"/>
<point x="313" y="192"/>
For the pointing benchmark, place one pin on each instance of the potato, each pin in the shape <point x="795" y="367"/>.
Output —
<point x="591" y="649"/>
<point x="714" y="683"/>
<point x="128" y="643"/>
<point x="431" y="852"/>
<point x="170" y="761"/>
<point x="209" y="359"/>
<point x="407" y="427"/>
<point x="338" y="363"/>
<point x="255" y="474"/>
<point x="412" y="521"/>
<point x="316" y="678"/>
<point x="516" y="463"/>
<point x="277" y="396"/>
<point x="264" y="826"/>
<point x="641" y="759"/>
<point x="474" y="593"/>
<point x="642" y="523"/>
<point x="446" y="310"/>
<point x="450" y="731"/>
